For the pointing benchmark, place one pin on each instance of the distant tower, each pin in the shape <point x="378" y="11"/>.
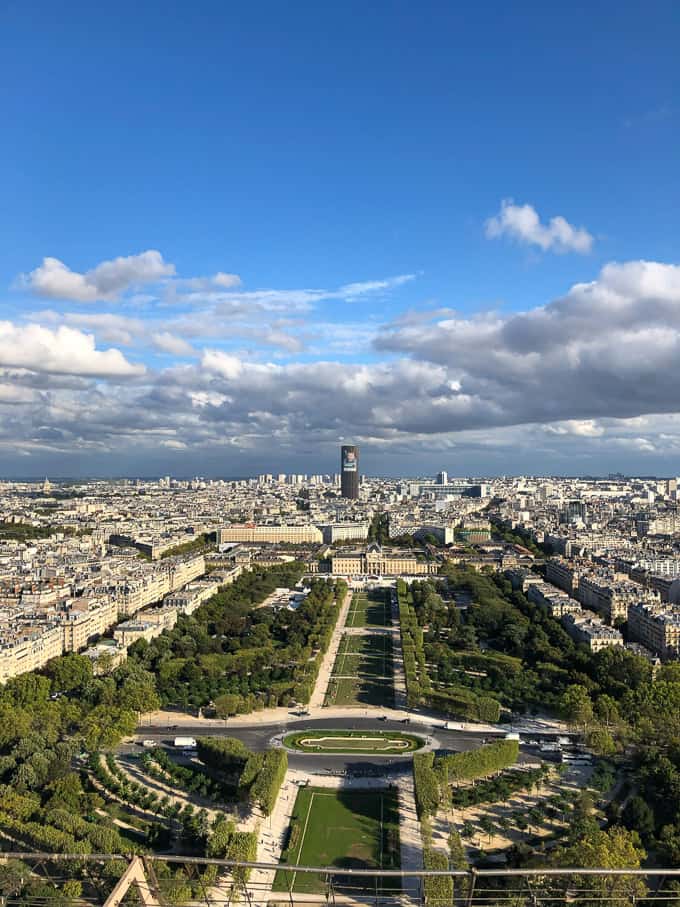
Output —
<point x="349" y="471"/>
<point x="442" y="478"/>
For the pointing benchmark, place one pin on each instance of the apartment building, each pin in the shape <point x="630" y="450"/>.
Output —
<point x="251" y="533"/>
<point x="149" y="625"/>
<point x="587" y="629"/>
<point x="563" y="574"/>
<point x="521" y="578"/>
<point x="343" y="532"/>
<point x="555" y="601"/>
<point x="656" y="626"/>
<point x="84" y="619"/>
<point x="29" y="648"/>
<point x="609" y="597"/>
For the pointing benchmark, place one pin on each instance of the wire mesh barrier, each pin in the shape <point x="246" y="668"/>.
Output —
<point x="57" y="880"/>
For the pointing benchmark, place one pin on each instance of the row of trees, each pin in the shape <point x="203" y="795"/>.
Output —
<point x="240" y="657"/>
<point x="451" y="698"/>
<point x="433" y="774"/>
<point x="256" y="776"/>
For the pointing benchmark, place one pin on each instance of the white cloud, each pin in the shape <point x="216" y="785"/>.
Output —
<point x="229" y="367"/>
<point x="63" y="351"/>
<point x="106" y="281"/>
<point x="170" y="343"/>
<point x="521" y="222"/>
<point x="110" y="327"/>
<point x="352" y="291"/>
<point x="226" y="280"/>
<point x="274" y="300"/>
<point x="610" y="347"/>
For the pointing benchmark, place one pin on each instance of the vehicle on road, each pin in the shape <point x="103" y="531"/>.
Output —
<point x="150" y="744"/>
<point x="185" y="743"/>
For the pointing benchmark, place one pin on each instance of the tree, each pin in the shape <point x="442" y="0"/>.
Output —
<point x="601" y="741"/>
<point x="607" y="710"/>
<point x="467" y="829"/>
<point x="616" y="848"/>
<point x="69" y="672"/>
<point x="487" y="827"/>
<point x="638" y="816"/>
<point x="575" y="704"/>
<point x="227" y="704"/>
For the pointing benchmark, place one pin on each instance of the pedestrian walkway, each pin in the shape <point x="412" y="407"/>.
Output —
<point x="400" y="691"/>
<point x="410" y="840"/>
<point x="272" y="831"/>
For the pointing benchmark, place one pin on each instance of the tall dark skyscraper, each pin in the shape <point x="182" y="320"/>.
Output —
<point x="349" y="471"/>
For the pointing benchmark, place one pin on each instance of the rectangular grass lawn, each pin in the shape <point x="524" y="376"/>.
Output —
<point x="362" y="673"/>
<point x="346" y="829"/>
<point x="369" y="610"/>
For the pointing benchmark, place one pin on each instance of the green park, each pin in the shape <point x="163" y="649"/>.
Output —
<point x="345" y="829"/>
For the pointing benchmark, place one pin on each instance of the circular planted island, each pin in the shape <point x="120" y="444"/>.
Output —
<point x="366" y="743"/>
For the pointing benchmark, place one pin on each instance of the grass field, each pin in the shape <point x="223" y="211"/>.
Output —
<point x="370" y="609"/>
<point x="341" y="828"/>
<point x="362" y="673"/>
<point x="386" y="743"/>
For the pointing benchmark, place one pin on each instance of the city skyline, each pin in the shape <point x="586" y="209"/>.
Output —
<point x="261" y="237"/>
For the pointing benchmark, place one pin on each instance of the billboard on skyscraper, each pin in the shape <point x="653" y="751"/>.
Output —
<point x="349" y="459"/>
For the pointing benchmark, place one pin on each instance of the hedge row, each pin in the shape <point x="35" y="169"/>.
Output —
<point x="426" y="784"/>
<point x="268" y="783"/>
<point x="493" y="757"/>
<point x="456" y="701"/>
<point x="242" y="848"/>
<point x="224" y="755"/>
<point x="438" y="889"/>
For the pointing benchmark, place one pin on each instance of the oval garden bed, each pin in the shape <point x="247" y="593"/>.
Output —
<point x="373" y="743"/>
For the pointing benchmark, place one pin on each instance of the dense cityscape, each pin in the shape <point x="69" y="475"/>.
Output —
<point x="340" y="454"/>
<point x="485" y="668"/>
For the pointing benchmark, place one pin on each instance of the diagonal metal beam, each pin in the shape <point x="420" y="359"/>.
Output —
<point x="133" y="875"/>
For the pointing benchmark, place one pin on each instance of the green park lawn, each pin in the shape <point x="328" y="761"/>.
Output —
<point x="387" y="743"/>
<point x="340" y="828"/>
<point x="362" y="673"/>
<point x="370" y="609"/>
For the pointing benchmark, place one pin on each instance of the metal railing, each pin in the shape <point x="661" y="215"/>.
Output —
<point x="169" y="880"/>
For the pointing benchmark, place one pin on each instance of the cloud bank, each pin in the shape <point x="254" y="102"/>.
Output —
<point x="596" y="369"/>
<point x="54" y="280"/>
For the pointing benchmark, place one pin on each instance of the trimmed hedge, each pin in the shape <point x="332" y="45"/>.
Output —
<point x="493" y="757"/>
<point x="265" y="788"/>
<point x="426" y="784"/>
<point x="243" y="848"/>
<point x="222" y="754"/>
<point x="438" y="889"/>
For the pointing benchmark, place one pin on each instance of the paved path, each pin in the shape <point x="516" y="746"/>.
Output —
<point x="272" y="832"/>
<point x="400" y="693"/>
<point x="326" y="669"/>
<point x="369" y="630"/>
<point x="410" y="841"/>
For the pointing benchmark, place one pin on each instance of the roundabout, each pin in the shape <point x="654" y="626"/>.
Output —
<point x="373" y="743"/>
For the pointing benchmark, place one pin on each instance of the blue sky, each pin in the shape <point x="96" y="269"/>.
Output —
<point x="364" y="153"/>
